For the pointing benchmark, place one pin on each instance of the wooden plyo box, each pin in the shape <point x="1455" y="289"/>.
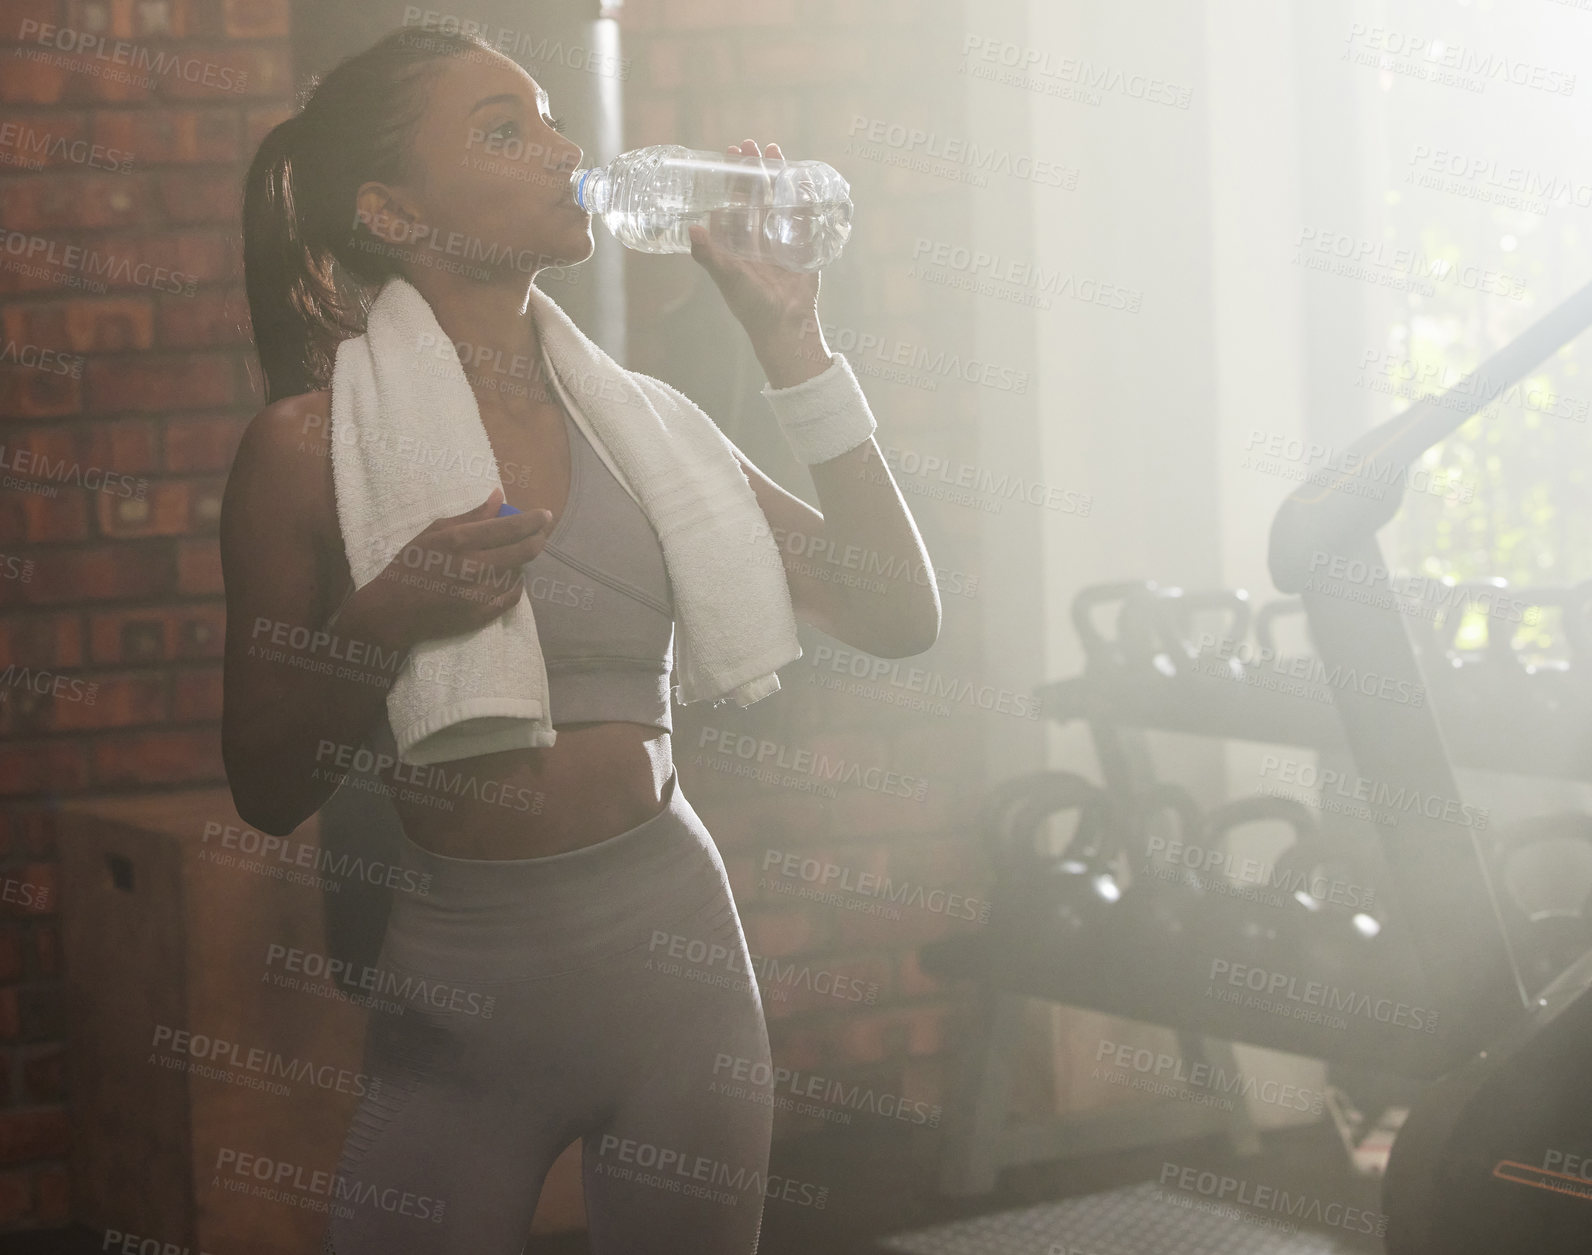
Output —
<point x="167" y="930"/>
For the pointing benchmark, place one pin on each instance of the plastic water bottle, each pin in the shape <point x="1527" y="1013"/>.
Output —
<point x="795" y="214"/>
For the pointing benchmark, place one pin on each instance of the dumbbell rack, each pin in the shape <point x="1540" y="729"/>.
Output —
<point x="1450" y="951"/>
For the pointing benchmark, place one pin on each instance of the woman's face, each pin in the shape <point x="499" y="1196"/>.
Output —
<point x="489" y="188"/>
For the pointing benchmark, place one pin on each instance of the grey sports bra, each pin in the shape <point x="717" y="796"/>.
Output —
<point x="604" y="608"/>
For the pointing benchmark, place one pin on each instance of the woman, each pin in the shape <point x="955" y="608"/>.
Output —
<point x="536" y="1007"/>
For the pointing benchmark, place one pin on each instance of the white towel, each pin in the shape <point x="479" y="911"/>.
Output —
<point x="409" y="447"/>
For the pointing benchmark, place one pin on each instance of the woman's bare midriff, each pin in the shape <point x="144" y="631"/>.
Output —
<point x="596" y="781"/>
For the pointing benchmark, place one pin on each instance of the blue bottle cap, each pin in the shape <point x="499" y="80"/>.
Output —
<point x="506" y="508"/>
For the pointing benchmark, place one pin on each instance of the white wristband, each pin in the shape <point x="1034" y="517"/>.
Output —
<point x="824" y="416"/>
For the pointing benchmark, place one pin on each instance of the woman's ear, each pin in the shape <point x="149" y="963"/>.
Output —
<point x="384" y="213"/>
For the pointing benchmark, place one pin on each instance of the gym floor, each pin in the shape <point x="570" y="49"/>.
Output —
<point x="889" y="1188"/>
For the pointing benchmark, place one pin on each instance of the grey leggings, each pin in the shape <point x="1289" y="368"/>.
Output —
<point x="599" y="994"/>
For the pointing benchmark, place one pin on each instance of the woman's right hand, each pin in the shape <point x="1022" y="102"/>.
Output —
<point x="457" y="575"/>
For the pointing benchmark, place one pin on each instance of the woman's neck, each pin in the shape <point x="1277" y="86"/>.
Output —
<point x="495" y="332"/>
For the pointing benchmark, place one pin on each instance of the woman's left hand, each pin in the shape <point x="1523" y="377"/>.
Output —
<point x="768" y="300"/>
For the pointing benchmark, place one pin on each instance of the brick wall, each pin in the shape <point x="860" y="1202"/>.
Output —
<point x="125" y="380"/>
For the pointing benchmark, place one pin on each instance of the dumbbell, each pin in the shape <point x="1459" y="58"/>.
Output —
<point x="1238" y="922"/>
<point x="1165" y="898"/>
<point x="1131" y="643"/>
<point x="1037" y="889"/>
<point x="1338" y="908"/>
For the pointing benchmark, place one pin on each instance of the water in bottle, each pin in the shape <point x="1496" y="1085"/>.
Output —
<point x="795" y="214"/>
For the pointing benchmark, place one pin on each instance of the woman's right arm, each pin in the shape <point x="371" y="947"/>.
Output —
<point x="286" y="710"/>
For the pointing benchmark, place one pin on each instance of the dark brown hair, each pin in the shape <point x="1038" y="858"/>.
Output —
<point x="309" y="268"/>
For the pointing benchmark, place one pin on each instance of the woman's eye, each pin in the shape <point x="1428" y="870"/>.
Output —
<point x="503" y="127"/>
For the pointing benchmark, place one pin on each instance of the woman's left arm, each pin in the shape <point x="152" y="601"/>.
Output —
<point x="858" y="570"/>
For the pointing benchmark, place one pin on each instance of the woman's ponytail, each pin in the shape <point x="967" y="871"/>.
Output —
<point x="306" y="270"/>
<point x="276" y="265"/>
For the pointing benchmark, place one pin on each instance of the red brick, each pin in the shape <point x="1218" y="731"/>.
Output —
<point x="124" y="701"/>
<point x="10" y="956"/>
<point x="35" y="1134"/>
<point x="199" y="568"/>
<point x="201" y="195"/>
<point x="43" y="767"/>
<point x="83" y="325"/>
<point x="44" y="1076"/>
<point x="171" y="507"/>
<point x="34" y="833"/>
<point x="111" y="20"/>
<point x="196" y="255"/>
<point x="45" y="512"/>
<point x="96" y="573"/>
<point x="30" y="392"/>
<point x="845" y="983"/>
<point x="236" y="72"/>
<point x="35" y="322"/>
<point x="73" y="200"/>
<point x="913" y="926"/>
<point x="46" y="950"/>
<point x="157" y="635"/>
<point x="128" y="446"/>
<point x="918" y="1030"/>
<point x="81" y="77"/>
<point x="202" y="444"/>
<point x="10" y="1022"/>
<point x="16" y="1198"/>
<point x="158" y="758"/>
<point x="52" y="1201"/>
<point x="46" y="141"/>
<point x="175" y="19"/>
<point x="42" y="641"/>
<point x="39" y="833"/>
<point x="258" y="19"/>
<point x="110" y="324"/>
<point x="41" y="11"/>
<point x="30" y="890"/>
<point x="808" y="1043"/>
<point x="30" y="82"/>
<point x="43" y="1012"/>
<point x="161" y="382"/>
<point x="197" y="696"/>
<point x="136" y="636"/>
<point x="210" y="317"/>
<point x="56" y="268"/>
<point x="161" y="136"/>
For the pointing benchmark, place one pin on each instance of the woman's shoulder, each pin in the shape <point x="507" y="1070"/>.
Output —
<point x="284" y="457"/>
<point x="285" y="430"/>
